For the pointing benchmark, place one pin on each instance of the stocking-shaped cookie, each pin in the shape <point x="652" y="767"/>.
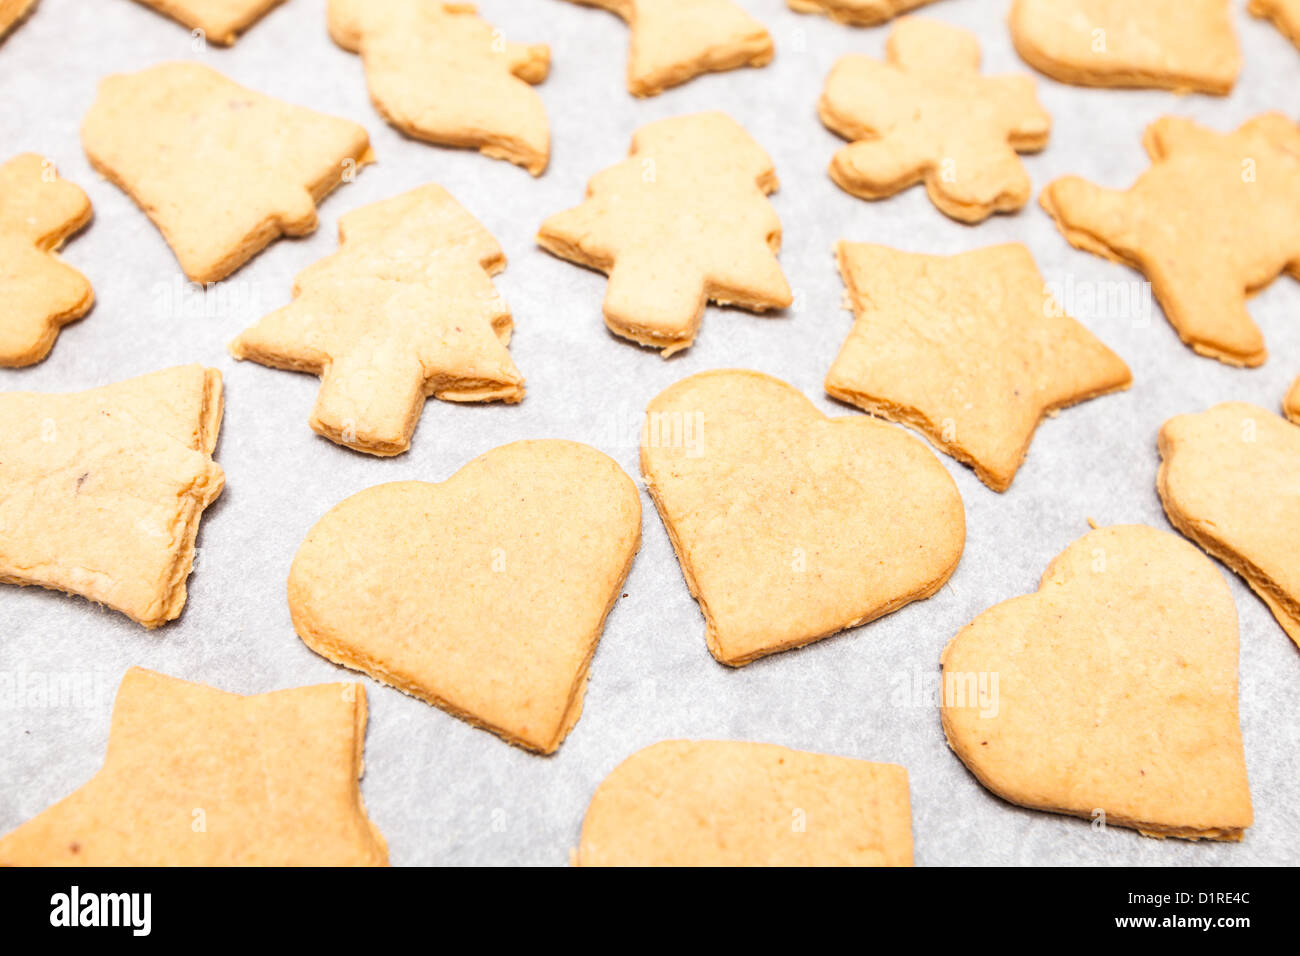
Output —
<point x="39" y="294"/>
<point x="1285" y="15"/>
<point x="405" y="309"/>
<point x="858" y="13"/>
<point x="1215" y="218"/>
<point x="676" y="40"/>
<point x="221" y="21"/>
<point x="439" y="73"/>
<point x="1110" y="693"/>
<point x="194" y="776"/>
<point x="682" y="222"/>
<point x="222" y="171"/>
<point x="104" y="489"/>
<point x="928" y="115"/>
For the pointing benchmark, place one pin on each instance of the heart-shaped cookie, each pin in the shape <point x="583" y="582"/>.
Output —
<point x="484" y="595"/>
<point x="791" y="526"/>
<point x="1111" y="692"/>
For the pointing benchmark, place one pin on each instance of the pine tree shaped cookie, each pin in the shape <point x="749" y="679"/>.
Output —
<point x="683" y="221"/>
<point x="927" y="115"/>
<point x="39" y="294"/>
<point x="1215" y="218"/>
<point x="439" y="73"/>
<point x="403" y="310"/>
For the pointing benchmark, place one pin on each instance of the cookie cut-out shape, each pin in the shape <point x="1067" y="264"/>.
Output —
<point x="12" y="13"/>
<point x="790" y="526"/>
<point x="1215" y="218"/>
<point x="403" y="310"/>
<point x="221" y="170"/>
<point x="858" y="13"/>
<point x="439" y="73"/>
<point x="484" y="595"/>
<point x="683" y="221"/>
<point x="39" y="293"/>
<point x="1285" y="15"/>
<point x="673" y="41"/>
<point x="104" y="489"/>
<point x="220" y="20"/>
<point x="194" y="776"/>
<point x="1110" y="693"/>
<point x="926" y="114"/>
<point x="1228" y="482"/>
<point x="734" y="803"/>
<point x="970" y="350"/>
<point x="1291" y="404"/>
<point x="1182" y="45"/>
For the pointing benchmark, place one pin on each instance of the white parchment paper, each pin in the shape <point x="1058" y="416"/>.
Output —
<point x="441" y="791"/>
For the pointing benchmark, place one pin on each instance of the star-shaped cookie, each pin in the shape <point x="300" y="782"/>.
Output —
<point x="858" y="13"/>
<point x="683" y="221"/>
<point x="1215" y="218"/>
<point x="194" y="776"/>
<point x="676" y="40"/>
<point x="439" y="73"/>
<point x="39" y="294"/>
<point x="220" y="20"/>
<point x="104" y="489"/>
<point x="1285" y="15"/>
<point x="403" y="310"/>
<point x="927" y="115"/>
<point x="221" y="170"/>
<point x="970" y="350"/>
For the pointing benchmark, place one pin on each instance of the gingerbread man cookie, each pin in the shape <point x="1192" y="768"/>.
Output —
<point x="220" y="21"/>
<point x="1215" y="218"/>
<point x="858" y="13"/>
<point x="222" y="171"/>
<point x="683" y="221"/>
<point x="1285" y="15"/>
<point x="439" y="73"/>
<point x="404" y="310"/>
<point x="39" y="293"/>
<point x="927" y="115"/>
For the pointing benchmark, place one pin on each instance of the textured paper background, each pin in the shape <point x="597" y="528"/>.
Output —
<point x="441" y="791"/>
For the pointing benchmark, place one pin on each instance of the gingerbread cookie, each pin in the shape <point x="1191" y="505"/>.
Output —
<point x="857" y="13"/>
<point x="12" y="13"/>
<point x="970" y="350"/>
<point x="222" y="171"/>
<point x="1208" y="461"/>
<point x="676" y="40"/>
<point x="40" y="294"/>
<point x="104" y="489"/>
<point x="791" y="526"/>
<point x="1110" y="693"/>
<point x="221" y="21"/>
<point x="732" y="803"/>
<point x="1182" y="45"/>
<point x="1205" y="192"/>
<point x="439" y="73"/>
<point x="1291" y="405"/>
<point x="484" y="595"/>
<point x="927" y="115"/>
<point x="194" y="776"/>
<point x="1285" y="15"/>
<point x="683" y="221"/>
<point x="405" y="309"/>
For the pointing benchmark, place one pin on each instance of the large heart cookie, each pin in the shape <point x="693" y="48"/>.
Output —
<point x="1109" y="694"/>
<point x="484" y="595"/>
<point x="789" y="525"/>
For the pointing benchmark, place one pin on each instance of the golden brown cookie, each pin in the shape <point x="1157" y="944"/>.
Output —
<point x="791" y="526"/>
<point x="439" y="73"/>
<point x="220" y="20"/>
<point x="1285" y="15"/>
<point x="927" y="115"/>
<point x="1215" y="218"/>
<point x="858" y="13"/>
<point x="104" y="489"/>
<point x="1228" y="481"/>
<point x="1183" y="45"/>
<point x="403" y="310"/>
<point x="12" y="13"/>
<point x="733" y="803"/>
<point x="1291" y="405"/>
<point x="484" y="595"/>
<point x="194" y="776"/>
<point x="222" y="171"/>
<point x="683" y="221"/>
<point x="1110" y="693"/>
<point x="676" y="40"/>
<point x="970" y="350"/>
<point x="39" y="294"/>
